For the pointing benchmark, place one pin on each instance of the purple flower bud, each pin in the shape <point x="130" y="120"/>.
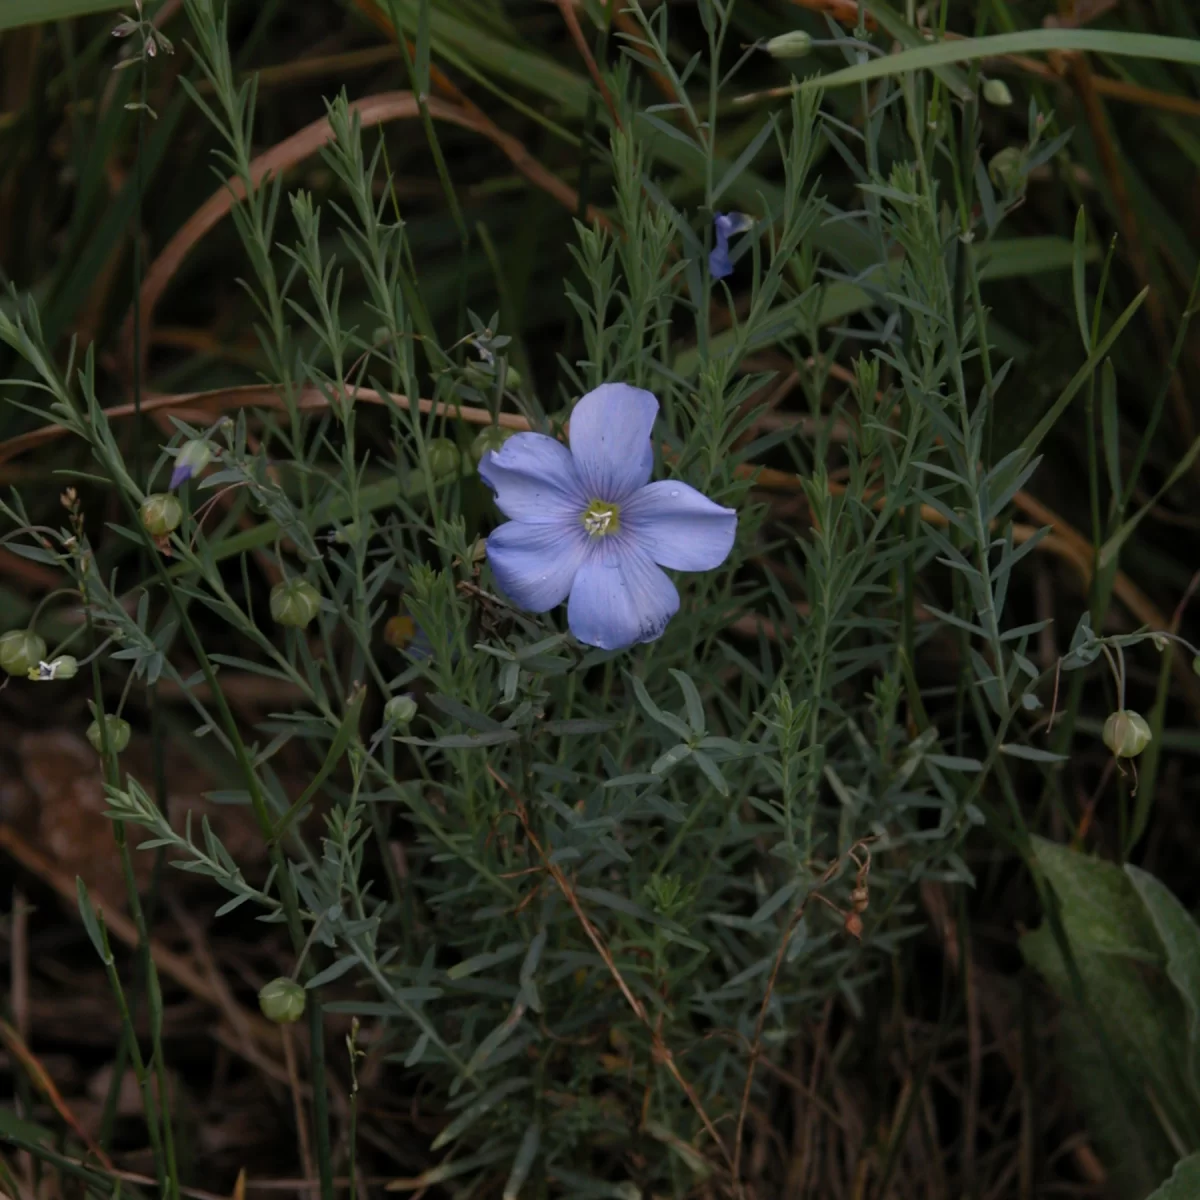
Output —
<point x="725" y="225"/>
<point x="192" y="458"/>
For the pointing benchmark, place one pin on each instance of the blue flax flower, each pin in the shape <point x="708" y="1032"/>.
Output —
<point x="725" y="225"/>
<point x="588" y="526"/>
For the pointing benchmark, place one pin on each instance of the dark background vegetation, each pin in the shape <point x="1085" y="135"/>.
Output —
<point x="950" y="1071"/>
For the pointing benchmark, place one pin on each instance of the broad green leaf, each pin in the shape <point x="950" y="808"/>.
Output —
<point x="1184" y="1183"/>
<point x="1133" y="1145"/>
<point x="1180" y="936"/>
<point x="1128" y="1041"/>
<point x="1100" y="909"/>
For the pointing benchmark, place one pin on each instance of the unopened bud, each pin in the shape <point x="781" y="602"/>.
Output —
<point x="21" y="649"/>
<point x="161" y="514"/>
<point x="444" y="457"/>
<point x="995" y="91"/>
<point x="192" y="458"/>
<point x="294" y="603"/>
<point x="1127" y="734"/>
<point x="789" y="45"/>
<point x="282" y="1001"/>
<point x="491" y="438"/>
<point x="1005" y="168"/>
<point x="400" y="710"/>
<point x="117" y="730"/>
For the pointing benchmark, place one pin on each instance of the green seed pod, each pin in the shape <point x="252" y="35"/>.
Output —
<point x="995" y="92"/>
<point x="282" y="1001"/>
<point x="490" y="438"/>
<point x="789" y="45"/>
<point x="1196" y="665"/>
<point x="444" y="457"/>
<point x="65" y="666"/>
<point x="118" y="734"/>
<point x="399" y="710"/>
<point x="20" y="651"/>
<point x="294" y="603"/>
<point x="161" y="514"/>
<point x="1005" y="168"/>
<point x="1126" y="733"/>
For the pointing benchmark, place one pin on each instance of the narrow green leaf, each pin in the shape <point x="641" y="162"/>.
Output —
<point x="668" y="720"/>
<point x="1079" y="279"/>
<point x="691" y="699"/>
<point x="1031" y="41"/>
<point x="1034" y="438"/>
<point x="1109" y="427"/>
<point x="523" y="1163"/>
<point x="347" y="732"/>
<point x="481" y="962"/>
<point x="1031" y="753"/>
<point x="90" y="921"/>
<point x="15" y="13"/>
<point x="712" y="771"/>
<point x="473" y="1112"/>
<point x="335" y="970"/>
<point x="1110" y="548"/>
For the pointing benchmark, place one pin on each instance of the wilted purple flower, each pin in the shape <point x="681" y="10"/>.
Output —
<point x="725" y="225"/>
<point x="192" y="458"/>
<point x="587" y="524"/>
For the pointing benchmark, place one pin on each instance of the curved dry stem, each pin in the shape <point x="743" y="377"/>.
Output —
<point x="370" y="110"/>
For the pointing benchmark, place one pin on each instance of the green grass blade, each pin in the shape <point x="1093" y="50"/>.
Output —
<point x="1031" y="41"/>
<point x="15" y="13"/>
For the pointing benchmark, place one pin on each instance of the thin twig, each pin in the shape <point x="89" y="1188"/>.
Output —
<point x="573" y="27"/>
<point x="289" y="1057"/>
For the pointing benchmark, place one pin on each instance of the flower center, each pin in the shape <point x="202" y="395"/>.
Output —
<point x="601" y="518"/>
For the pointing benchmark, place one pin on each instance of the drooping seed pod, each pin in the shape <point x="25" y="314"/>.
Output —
<point x="282" y="1001"/>
<point x="1126" y="733"/>
<point x="400" y="710"/>
<point x="21" y="650"/>
<point x="118" y="734"/>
